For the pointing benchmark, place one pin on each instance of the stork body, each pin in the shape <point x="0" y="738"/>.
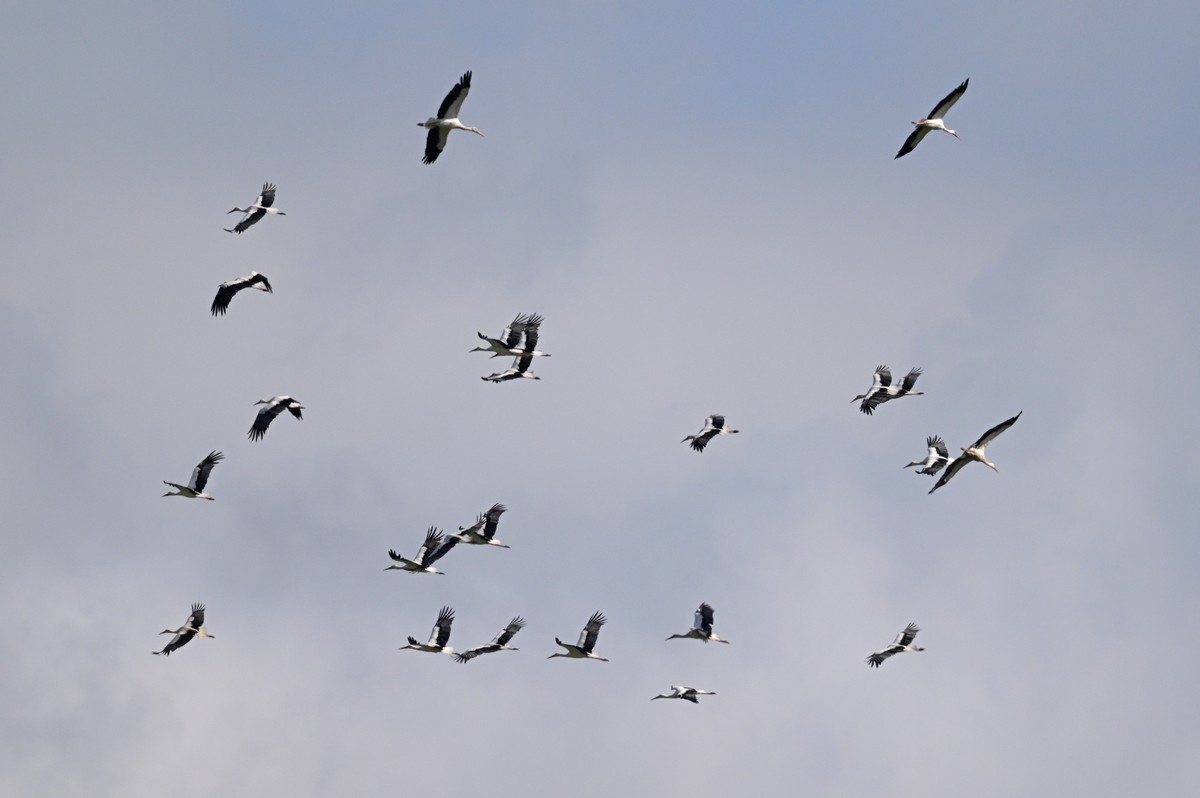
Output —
<point x="685" y="693"/>
<point x="901" y="644"/>
<point x="273" y="407"/>
<point x="194" y="627"/>
<point x="483" y="531"/>
<point x="519" y="338"/>
<point x="195" y="487"/>
<point x="975" y="453"/>
<point x="447" y="119"/>
<point x="584" y="649"/>
<point x="227" y="290"/>
<point x="713" y="426"/>
<point x="438" y="638"/>
<point x="702" y="627"/>
<point x="433" y="549"/>
<point x="883" y="390"/>
<point x="519" y="370"/>
<point x="499" y="643"/>
<point x="937" y="458"/>
<point x="256" y="210"/>
<point x="934" y="121"/>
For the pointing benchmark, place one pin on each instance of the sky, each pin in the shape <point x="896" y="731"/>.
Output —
<point x="702" y="201"/>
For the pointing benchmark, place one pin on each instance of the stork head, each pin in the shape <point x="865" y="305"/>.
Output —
<point x="951" y="132"/>
<point x="858" y="398"/>
<point x="474" y="130"/>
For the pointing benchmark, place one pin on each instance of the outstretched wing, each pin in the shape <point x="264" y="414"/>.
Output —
<point x="435" y="142"/>
<point x="492" y="520"/>
<point x="445" y="543"/>
<point x="532" y="325"/>
<point x="196" y="619"/>
<point x="591" y="631"/>
<point x="906" y="637"/>
<point x="953" y="468"/>
<point x="264" y="418"/>
<point x="224" y="295"/>
<point x="704" y="619"/>
<point x="441" y="629"/>
<point x="948" y="101"/>
<point x="876" y="659"/>
<point x="910" y="379"/>
<point x="201" y="471"/>
<point x="450" y="106"/>
<point x="995" y="431"/>
<point x="512" y="333"/>
<point x="910" y="144"/>
<point x="510" y="631"/>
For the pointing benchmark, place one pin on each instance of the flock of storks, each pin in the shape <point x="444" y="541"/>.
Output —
<point x="519" y="341"/>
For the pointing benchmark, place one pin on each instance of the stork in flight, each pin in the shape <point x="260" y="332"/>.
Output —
<point x="882" y="390"/>
<point x="519" y="370"/>
<point x="902" y="643"/>
<point x="438" y="638"/>
<point x="937" y="458"/>
<point x="499" y="643"/>
<point x="274" y="406"/>
<point x="587" y="641"/>
<point x="433" y="549"/>
<point x="226" y="291"/>
<point x="195" y="488"/>
<point x="193" y="627"/>
<point x="510" y="341"/>
<point x="977" y="452"/>
<point x="256" y="210"/>
<point x="483" y="531"/>
<point x="713" y="426"/>
<point x="933" y="121"/>
<point x="702" y="627"/>
<point x="447" y="119"/>
<point x="686" y="693"/>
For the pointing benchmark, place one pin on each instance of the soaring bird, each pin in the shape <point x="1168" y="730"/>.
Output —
<point x="499" y="642"/>
<point x="702" y="627"/>
<point x="713" y="426"/>
<point x="438" y="638"/>
<point x="274" y="406"/>
<point x="483" y="531"/>
<point x="227" y="290"/>
<point x="902" y="643"/>
<point x="937" y="458"/>
<point x="977" y="452"/>
<point x="256" y="210"/>
<point x="519" y="338"/>
<point x="433" y="549"/>
<point x="519" y="370"/>
<point x="446" y="120"/>
<point x="933" y="121"/>
<point x="686" y="693"/>
<point x="882" y="390"/>
<point x="193" y="627"/>
<point x="587" y="641"/>
<point x="195" y="488"/>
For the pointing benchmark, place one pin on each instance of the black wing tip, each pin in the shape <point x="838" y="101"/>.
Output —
<point x="465" y="80"/>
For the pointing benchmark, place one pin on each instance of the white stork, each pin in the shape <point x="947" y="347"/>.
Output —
<point x="977" y="453"/>
<point x="510" y="341"/>
<point x="519" y="370"/>
<point x="499" y="642"/>
<point x="193" y="627"/>
<point x="447" y="119"/>
<point x="933" y="121"/>
<point x="902" y="643"/>
<point x="195" y="488"/>
<point x="433" y="549"/>
<point x="274" y="406"/>
<point x="702" y="627"/>
<point x="882" y="390"/>
<point x="256" y="210"/>
<point x="713" y="426"/>
<point x="226" y="291"/>
<point x="587" y="641"/>
<point x="937" y="458"/>
<point x="438" y="638"/>
<point x="483" y="531"/>
<point x="685" y="693"/>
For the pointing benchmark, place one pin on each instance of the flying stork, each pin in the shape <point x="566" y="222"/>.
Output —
<point x="686" y="693"/>
<point x="432" y="550"/>
<point x="937" y="458"/>
<point x="438" y="638"/>
<point x="702" y="626"/>
<point x="587" y="641"/>
<point x="519" y="370"/>
<point x="483" y="531"/>
<point x="447" y="119"/>
<point x="977" y="452"/>
<point x="933" y="121"/>
<point x="226" y="290"/>
<point x="499" y="642"/>
<point x="195" y="488"/>
<point x="882" y="390"/>
<point x="510" y="341"/>
<point x="274" y="406"/>
<point x="902" y="643"/>
<point x="193" y="627"/>
<point x="256" y="210"/>
<point x="713" y="426"/>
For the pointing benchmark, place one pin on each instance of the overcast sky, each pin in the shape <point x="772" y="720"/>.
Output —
<point x="701" y="199"/>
